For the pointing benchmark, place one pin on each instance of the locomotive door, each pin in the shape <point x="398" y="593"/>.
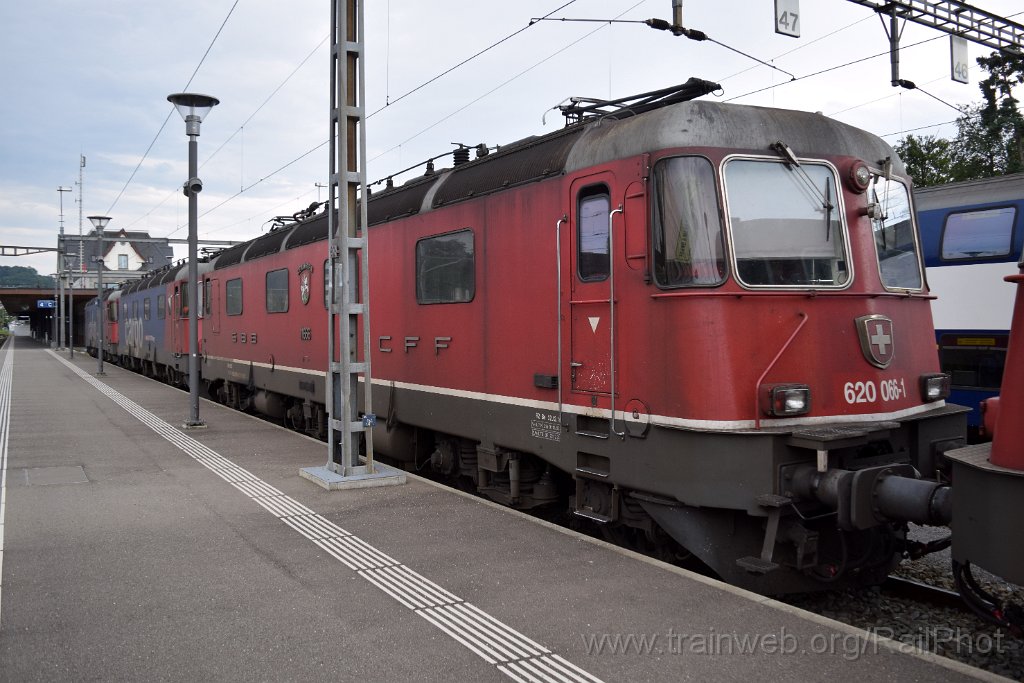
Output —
<point x="590" y="336"/>
<point x="180" y="325"/>
<point x="211" y="305"/>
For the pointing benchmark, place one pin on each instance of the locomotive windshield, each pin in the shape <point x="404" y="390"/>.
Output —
<point x="786" y="222"/>
<point x="895" y="242"/>
<point x="688" y="245"/>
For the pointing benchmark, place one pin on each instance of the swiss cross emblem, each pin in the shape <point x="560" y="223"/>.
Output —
<point x="305" y="271"/>
<point x="876" y="339"/>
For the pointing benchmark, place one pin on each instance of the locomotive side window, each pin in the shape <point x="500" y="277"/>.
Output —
<point x="146" y="309"/>
<point x="446" y="268"/>
<point x="786" y="224"/>
<point x="207" y="296"/>
<point x="895" y="241"/>
<point x="277" y="291"/>
<point x="233" y="296"/>
<point x="161" y="306"/>
<point x="978" y="234"/>
<point x="183" y="300"/>
<point x="689" y="248"/>
<point x="592" y="236"/>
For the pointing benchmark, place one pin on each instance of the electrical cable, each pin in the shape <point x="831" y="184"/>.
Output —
<point x="307" y="153"/>
<point x="663" y="25"/>
<point x="267" y="100"/>
<point x="465" y="61"/>
<point x="795" y="49"/>
<point x="164" y="124"/>
<point x="498" y="87"/>
<point x="236" y="132"/>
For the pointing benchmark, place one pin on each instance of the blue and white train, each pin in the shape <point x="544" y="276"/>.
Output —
<point x="971" y="236"/>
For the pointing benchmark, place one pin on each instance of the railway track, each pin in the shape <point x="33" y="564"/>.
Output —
<point x="910" y="589"/>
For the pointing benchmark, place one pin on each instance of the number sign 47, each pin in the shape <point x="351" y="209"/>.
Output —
<point x="787" y="17"/>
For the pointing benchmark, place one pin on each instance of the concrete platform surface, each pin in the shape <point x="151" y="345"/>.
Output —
<point x="131" y="550"/>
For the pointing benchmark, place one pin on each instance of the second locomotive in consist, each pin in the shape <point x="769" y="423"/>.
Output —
<point x="702" y="326"/>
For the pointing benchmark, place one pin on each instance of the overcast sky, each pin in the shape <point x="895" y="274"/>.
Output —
<point x="92" y="77"/>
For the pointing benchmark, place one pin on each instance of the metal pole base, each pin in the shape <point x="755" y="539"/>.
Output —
<point x="383" y="475"/>
<point x="188" y="424"/>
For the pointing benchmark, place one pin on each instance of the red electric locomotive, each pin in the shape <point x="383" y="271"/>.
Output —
<point x="702" y="326"/>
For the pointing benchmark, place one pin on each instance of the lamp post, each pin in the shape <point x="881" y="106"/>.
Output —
<point x="100" y="222"/>
<point x="193" y="108"/>
<point x="70" y="274"/>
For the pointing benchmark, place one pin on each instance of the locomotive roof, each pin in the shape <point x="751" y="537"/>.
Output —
<point x="600" y="140"/>
<point x="691" y="124"/>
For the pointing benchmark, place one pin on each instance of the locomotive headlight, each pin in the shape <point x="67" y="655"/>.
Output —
<point x="782" y="400"/>
<point x="860" y="177"/>
<point x="935" y="387"/>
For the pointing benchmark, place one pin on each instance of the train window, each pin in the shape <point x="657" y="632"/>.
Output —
<point x="233" y="296"/>
<point x="593" y="224"/>
<point x="207" y="297"/>
<point x="786" y="224"/>
<point x="446" y="268"/>
<point x="112" y="312"/>
<point x="135" y="309"/>
<point x="978" y="234"/>
<point x="161" y="306"/>
<point x="689" y="248"/>
<point x="183" y="300"/>
<point x="277" y="291"/>
<point x="895" y="240"/>
<point x="147" y="308"/>
<point x="974" y="361"/>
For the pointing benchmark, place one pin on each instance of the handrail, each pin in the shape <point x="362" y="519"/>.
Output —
<point x="611" y="305"/>
<point x="757" y="387"/>
<point x="558" y="296"/>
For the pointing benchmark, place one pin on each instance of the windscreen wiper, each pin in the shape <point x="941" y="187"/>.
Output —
<point x="786" y="153"/>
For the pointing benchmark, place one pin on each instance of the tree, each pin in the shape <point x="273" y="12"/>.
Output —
<point x="1000" y="116"/>
<point x="928" y="159"/>
<point x="990" y="134"/>
<point x="977" y="151"/>
<point x="22" y="276"/>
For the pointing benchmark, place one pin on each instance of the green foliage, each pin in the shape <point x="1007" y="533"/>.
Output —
<point x="928" y="159"/>
<point x="1001" y="119"/>
<point x="990" y="135"/>
<point x="22" y="276"/>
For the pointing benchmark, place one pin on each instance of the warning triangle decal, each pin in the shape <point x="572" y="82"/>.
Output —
<point x="593" y="322"/>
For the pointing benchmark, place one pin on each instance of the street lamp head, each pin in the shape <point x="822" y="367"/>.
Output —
<point x="193" y="107"/>
<point x="99" y="222"/>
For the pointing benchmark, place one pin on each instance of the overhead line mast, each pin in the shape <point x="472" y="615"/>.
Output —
<point x="348" y="283"/>
<point x="950" y="16"/>
<point x="957" y="19"/>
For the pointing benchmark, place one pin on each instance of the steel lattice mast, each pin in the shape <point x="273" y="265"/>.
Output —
<point x="347" y="237"/>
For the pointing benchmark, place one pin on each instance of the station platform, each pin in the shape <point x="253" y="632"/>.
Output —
<point x="131" y="549"/>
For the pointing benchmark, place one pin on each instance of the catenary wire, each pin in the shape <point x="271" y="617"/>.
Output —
<point x="310" y="151"/>
<point x="464" y="61"/>
<point x="823" y="71"/>
<point x="168" y="117"/>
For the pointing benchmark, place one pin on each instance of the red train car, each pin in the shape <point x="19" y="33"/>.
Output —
<point x="704" y="327"/>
